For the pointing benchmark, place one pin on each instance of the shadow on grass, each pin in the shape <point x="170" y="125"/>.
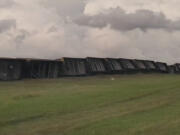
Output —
<point x="19" y="121"/>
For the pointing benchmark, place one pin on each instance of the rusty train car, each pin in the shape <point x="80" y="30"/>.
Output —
<point x="72" y="67"/>
<point x="21" y="68"/>
<point x="95" y="66"/>
<point x="140" y="65"/>
<point x="10" y="69"/>
<point x="39" y="68"/>
<point x="162" y="67"/>
<point x="113" y="66"/>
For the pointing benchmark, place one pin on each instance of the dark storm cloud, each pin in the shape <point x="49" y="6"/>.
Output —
<point x="6" y="3"/>
<point x="65" y="8"/>
<point x="118" y="19"/>
<point x="5" y="25"/>
<point x="21" y="36"/>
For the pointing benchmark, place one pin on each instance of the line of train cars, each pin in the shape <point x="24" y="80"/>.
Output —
<point x="16" y="68"/>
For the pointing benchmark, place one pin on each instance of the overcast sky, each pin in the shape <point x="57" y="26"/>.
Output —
<point x="141" y="29"/>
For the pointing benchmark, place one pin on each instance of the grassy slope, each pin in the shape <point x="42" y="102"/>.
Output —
<point x="129" y="105"/>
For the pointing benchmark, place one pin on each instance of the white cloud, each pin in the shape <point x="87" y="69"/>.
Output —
<point x="5" y="25"/>
<point x="118" y="19"/>
<point x="44" y="29"/>
<point x="170" y="8"/>
<point x="6" y="3"/>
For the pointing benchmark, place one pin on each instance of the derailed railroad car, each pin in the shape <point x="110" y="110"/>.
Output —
<point x="140" y="65"/>
<point x="177" y="68"/>
<point x="40" y="68"/>
<point x="128" y="65"/>
<point x="162" y="67"/>
<point x="172" y="69"/>
<point x="95" y="65"/>
<point x="10" y="69"/>
<point x="73" y="67"/>
<point x="151" y="66"/>
<point x="113" y="66"/>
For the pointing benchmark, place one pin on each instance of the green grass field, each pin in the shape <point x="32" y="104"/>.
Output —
<point x="125" y="105"/>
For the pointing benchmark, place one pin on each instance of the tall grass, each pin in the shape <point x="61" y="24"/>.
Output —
<point x="101" y="105"/>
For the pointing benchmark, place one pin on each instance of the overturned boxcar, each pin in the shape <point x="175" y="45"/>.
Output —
<point x="128" y="65"/>
<point x="40" y="68"/>
<point x="172" y="69"/>
<point x="113" y="66"/>
<point x="162" y="67"/>
<point x="140" y="65"/>
<point x="177" y="68"/>
<point x="10" y="69"/>
<point x="72" y="67"/>
<point x="150" y="65"/>
<point x="95" y="65"/>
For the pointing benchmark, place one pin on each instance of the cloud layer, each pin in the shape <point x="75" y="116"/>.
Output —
<point x="118" y="19"/>
<point x="6" y="3"/>
<point x="5" y="25"/>
<point x="53" y="29"/>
